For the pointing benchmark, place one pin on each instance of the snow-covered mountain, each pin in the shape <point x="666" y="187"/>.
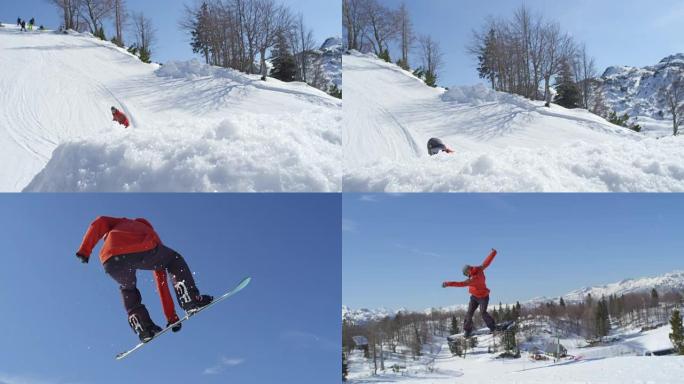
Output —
<point x="634" y="90"/>
<point x="672" y="281"/>
<point x="330" y="54"/>
<point x="501" y="142"/>
<point x="193" y="127"/>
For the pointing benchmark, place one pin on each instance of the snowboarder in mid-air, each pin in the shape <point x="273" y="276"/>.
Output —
<point x="132" y="244"/>
<point x="479" y="294"/>
<point x="119" y="117"/>
<point x="436" y="146"/>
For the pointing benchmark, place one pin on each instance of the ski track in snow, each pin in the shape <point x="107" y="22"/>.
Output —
<point x="194" y="128"/>
<point x="503" y="143"/>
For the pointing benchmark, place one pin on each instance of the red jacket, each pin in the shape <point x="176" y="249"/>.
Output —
<point x="121" y="236"/>
<point x="119" y="117"/>
<point x="476" y="283"/>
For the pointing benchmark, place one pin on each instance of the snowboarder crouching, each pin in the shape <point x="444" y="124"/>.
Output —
<point x="119" y="117"/>
<point x="436" y="146"/>
<point x="130" y="245"/>
<point x="479" y="293"/>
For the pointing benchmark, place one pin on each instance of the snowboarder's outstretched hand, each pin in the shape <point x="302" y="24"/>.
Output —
<point x="444" y="284"/>
<point x="83" y="259"/>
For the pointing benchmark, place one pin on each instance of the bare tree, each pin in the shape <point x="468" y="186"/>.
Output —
<point x="558" y="48"/>
<point x="432" y="59"/>
<point x="674" y="99"/>
<point x="382" y="25"/>
<point x="69" y="10"/>
<point x="585" y="75"/>
<point x="96" y="11"/>
<point x="407" y="37"/>
<point x="145" y="35"/>
<point x="303" y="43"/>
<point x="120" y="16"/>
<point x="354" y="22"/>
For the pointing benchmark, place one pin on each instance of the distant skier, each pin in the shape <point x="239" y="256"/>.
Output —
<point x="119" y="117"/>
<point x="436" y="146"/>
<point x="18" y="21"/>
<point x="130" y="245"/>
<point x="479" y="293"/>
<point x="23" y="26"/>
<point x="31" y="23"/>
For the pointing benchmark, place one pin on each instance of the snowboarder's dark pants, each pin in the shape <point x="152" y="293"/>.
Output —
<point x="122" y="268"/>
<point x="472" y="306"/>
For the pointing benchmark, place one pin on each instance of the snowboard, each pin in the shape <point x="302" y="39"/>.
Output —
<point x="187" y="316"/>
<point x="505" y="326"/>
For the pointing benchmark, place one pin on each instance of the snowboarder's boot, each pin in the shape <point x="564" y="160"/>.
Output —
<point x="141" y="323"/>
<point x="198" y="303"/>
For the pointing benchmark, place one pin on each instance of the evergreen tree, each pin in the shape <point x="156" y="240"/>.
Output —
<point x="145" y="55"/>
<point x="562" y="302"/>
<point x="486" y="68"/>
<point x="431" y="79"/>
<point x="334" y="91"/>
<point x="385" y="55"/>
<point x="601" y="318"/>
<point x="345" y="368"/>
<point x="284" y="65"/>
<point x="419" y="72"/>
<point x="654" y="298"/>
<point x="677" y="335"/>
<point x="567" y="91"/>
<point x="403" y="65"/>
<point x="100" y="33"/>
<point x="454" y="326"/>
<point x="509" y="343"/>
<point x="200" y="32"/>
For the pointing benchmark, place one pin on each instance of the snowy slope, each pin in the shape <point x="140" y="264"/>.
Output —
<point x="502" y="142"/>
<point x="618" y="364"/>
<point x="635" y="91"/>
<point x="194" y="127"/>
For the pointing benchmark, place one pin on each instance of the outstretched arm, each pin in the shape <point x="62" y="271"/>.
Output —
<point x="456" y="283"/>
<point x="165" y="296"/>
<point x="488" y="259"/>
<point x="97" y="229"/>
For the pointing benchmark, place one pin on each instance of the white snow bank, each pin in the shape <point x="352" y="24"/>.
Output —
<point x="193" y="69"/>
<point x="475" y="94"/>
<point x="246" y="154"/>
<point x="648" y="165"/>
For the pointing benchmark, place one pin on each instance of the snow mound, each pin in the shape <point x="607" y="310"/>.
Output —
<point x="502" y="142"/>
<point x="194" y="127"/>
<point x="245" y="154"/>
<point x="475" y="95"/>
<point x="194" y="69"/>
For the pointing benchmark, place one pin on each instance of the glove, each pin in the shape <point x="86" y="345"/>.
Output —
<point x="444" y="284"/>
<point x="83" y="258"/>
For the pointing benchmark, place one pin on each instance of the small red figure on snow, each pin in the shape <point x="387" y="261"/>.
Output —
<point x="119" y="117"/>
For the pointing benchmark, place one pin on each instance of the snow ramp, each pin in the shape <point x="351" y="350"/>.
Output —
<point x="193" y="127"/>
<point x="502" y="142"/>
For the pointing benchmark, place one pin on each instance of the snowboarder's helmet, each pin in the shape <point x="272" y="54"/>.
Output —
<point x="113" y="109"/>
<point x="466" y="270"/>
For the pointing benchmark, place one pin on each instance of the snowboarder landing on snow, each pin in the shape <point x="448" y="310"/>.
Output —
<point x="479" y="293"/>
<point x="132" y="244"/>
<point x="436" y="146"/>
<point x="119" y="117"/>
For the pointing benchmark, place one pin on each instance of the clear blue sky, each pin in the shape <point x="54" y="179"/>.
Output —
<point x="63" y="321"/>
<point x="397" y="250"/>
<point x="617" y="32"/>
<point x="322" y="16"/>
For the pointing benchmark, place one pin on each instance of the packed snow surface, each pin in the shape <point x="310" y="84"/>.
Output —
<point x="193" y="127"/>
<point x="620" y="363"/>
<point x="502" y="142"/>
